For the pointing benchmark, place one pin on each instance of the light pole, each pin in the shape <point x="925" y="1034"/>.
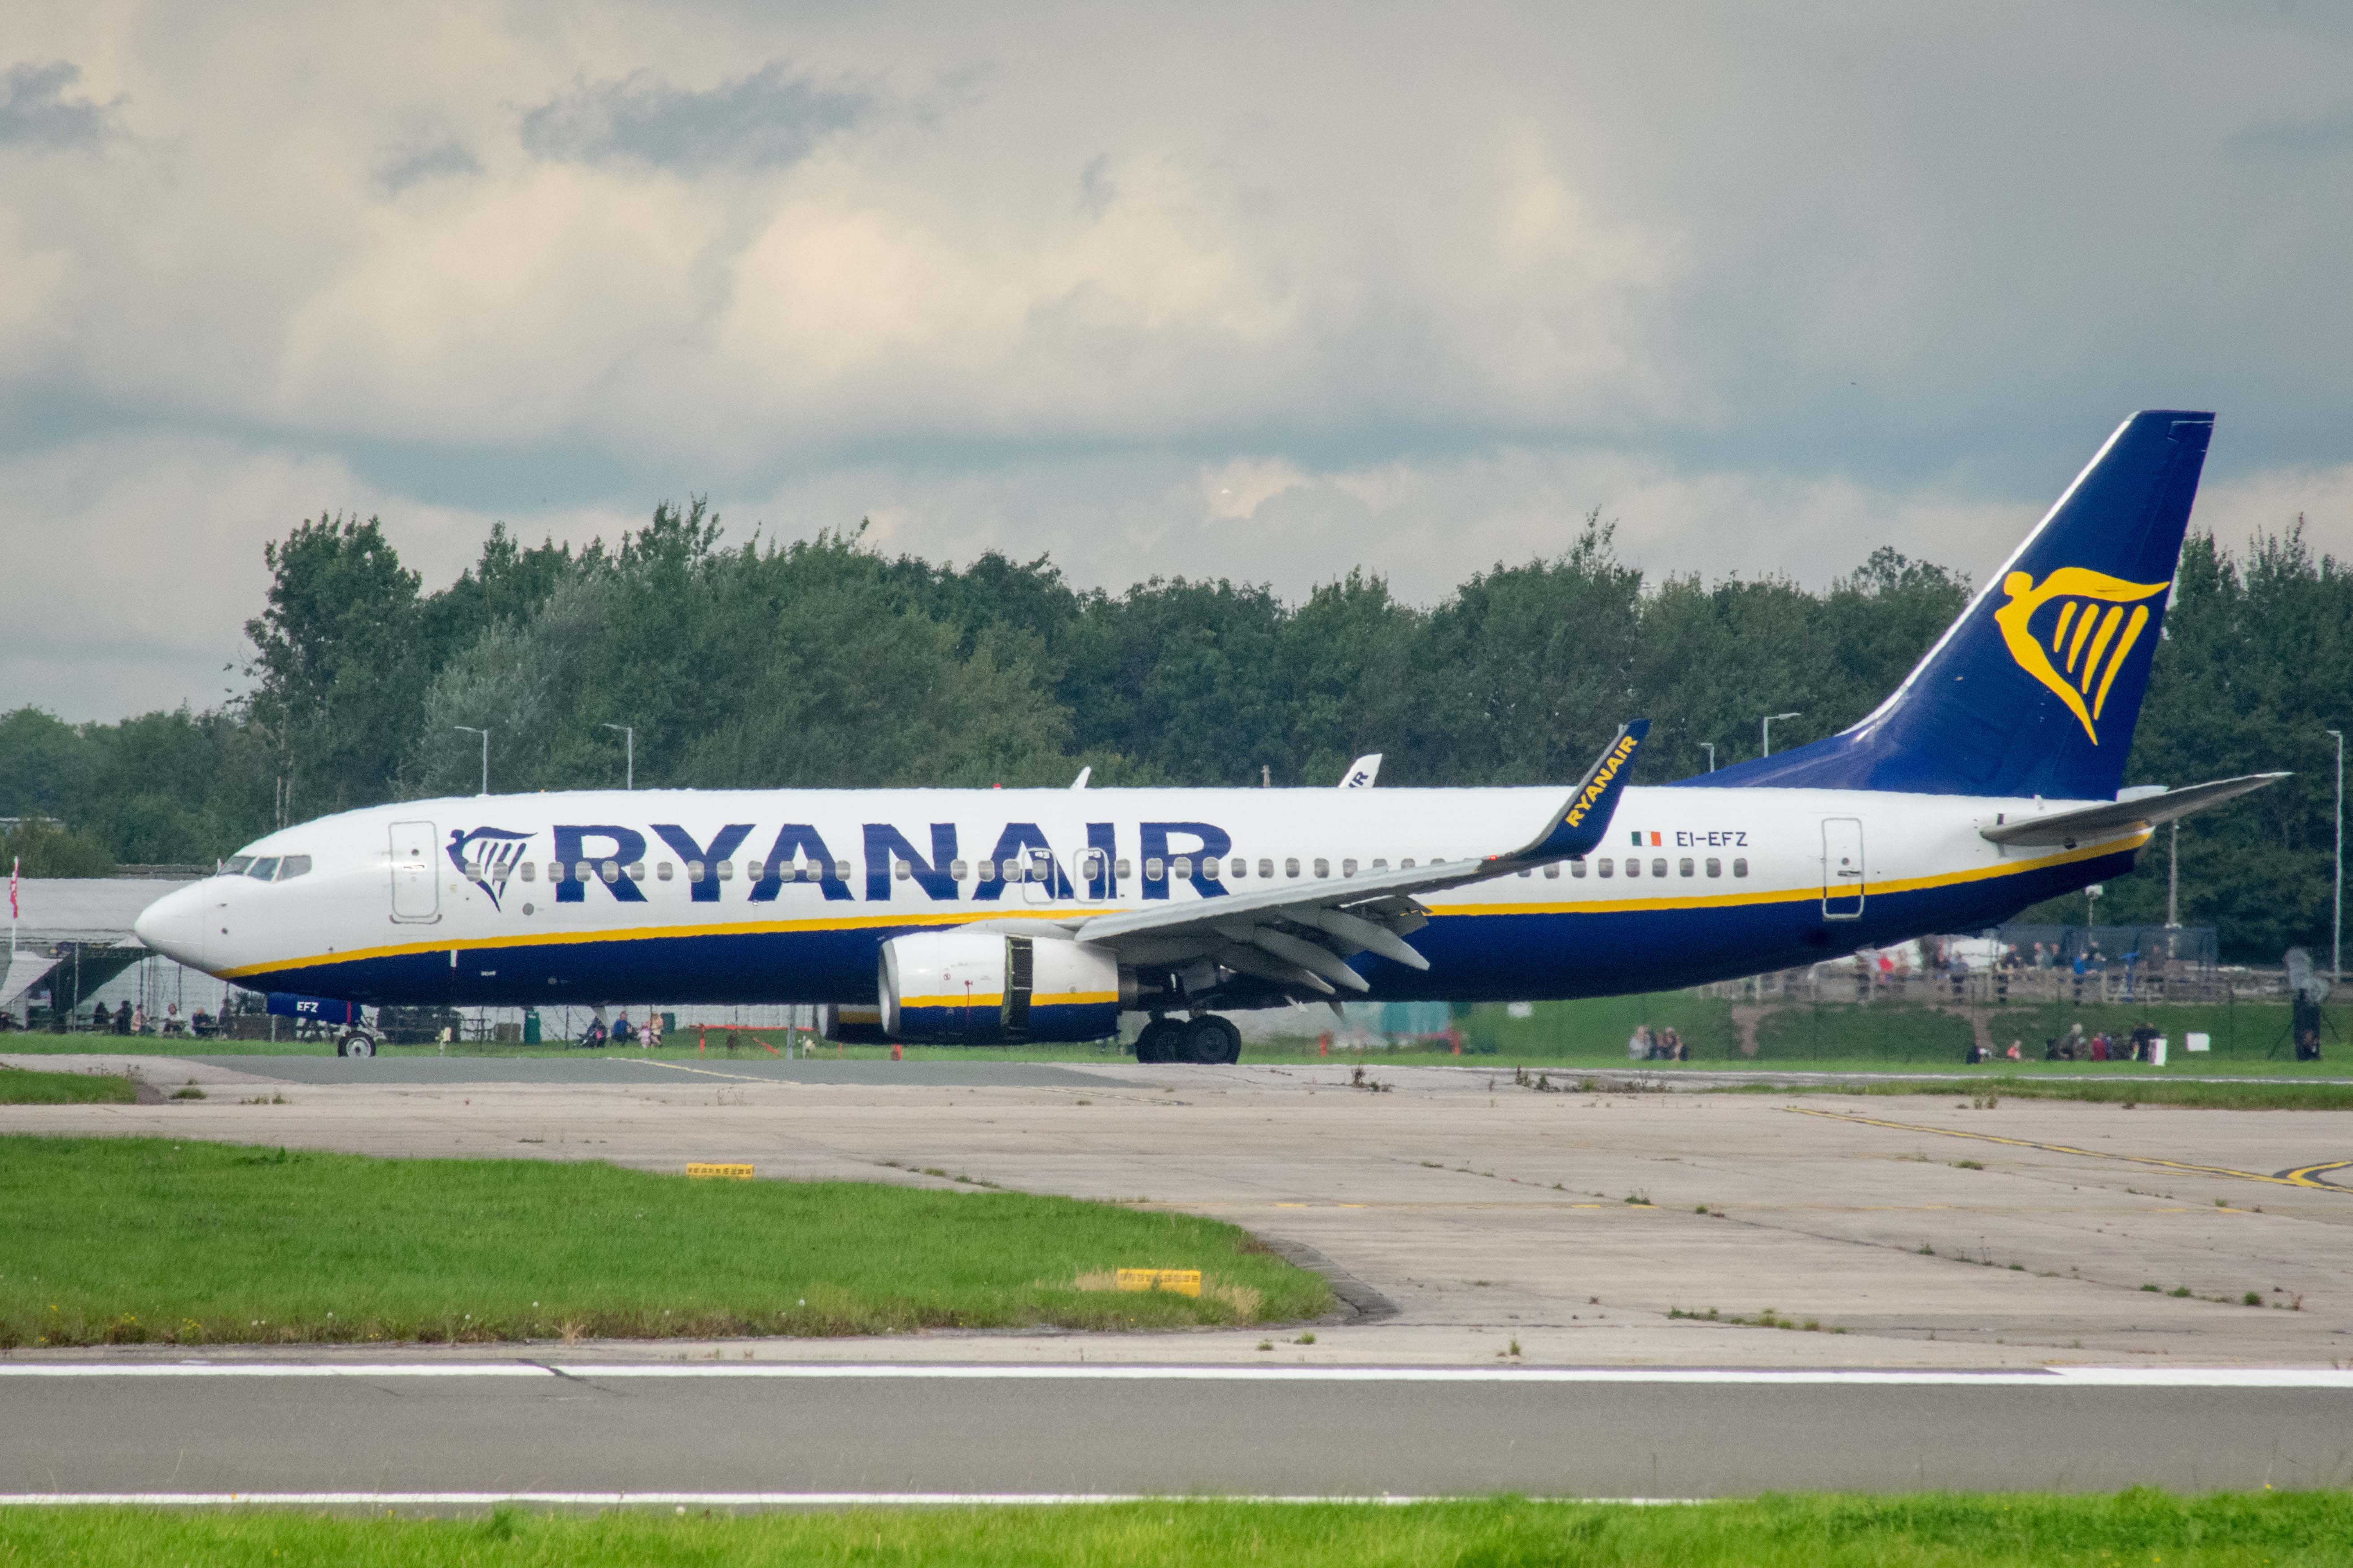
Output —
<point x="485" y="735"/>
<point x="2173" y="880"/>
<point x="628" y="738"/>
<point x="1768" y="729"/>
<point x="2337" y="925"/>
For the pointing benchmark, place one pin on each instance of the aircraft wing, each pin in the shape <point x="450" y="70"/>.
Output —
<point x="1297" y="936"/>
<point x="2105" y="820"/>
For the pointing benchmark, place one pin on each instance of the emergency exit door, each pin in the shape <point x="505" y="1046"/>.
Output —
<point x="415" y="886"/>
<point x="1842" y="877"/>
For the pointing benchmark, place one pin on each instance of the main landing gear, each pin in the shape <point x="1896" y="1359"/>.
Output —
<point x="357" y="1043"/>
<point x="1207" y="1039"/>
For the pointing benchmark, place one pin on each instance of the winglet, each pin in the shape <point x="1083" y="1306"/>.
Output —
<point x="1361" y="771"/>
<point x="1577" y="827"/>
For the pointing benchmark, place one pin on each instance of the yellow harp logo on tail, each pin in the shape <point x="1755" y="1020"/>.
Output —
<point x="2099" y="619"/>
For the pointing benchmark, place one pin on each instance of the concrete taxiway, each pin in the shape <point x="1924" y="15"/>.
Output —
<point x="1462" y="1212"/>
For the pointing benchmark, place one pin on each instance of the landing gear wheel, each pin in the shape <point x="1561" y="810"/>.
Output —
<point x="355" y="1044"/>
<point x="1152" y="1045"/>
<point x="1213" y="1041"/>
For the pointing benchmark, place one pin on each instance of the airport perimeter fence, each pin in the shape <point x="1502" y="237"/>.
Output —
<point x="2023" y="963"/>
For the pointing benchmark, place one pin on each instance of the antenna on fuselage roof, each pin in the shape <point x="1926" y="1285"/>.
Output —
<point x="1081" y="781"/>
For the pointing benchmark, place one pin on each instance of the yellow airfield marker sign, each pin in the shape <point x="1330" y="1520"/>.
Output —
<point x="1176" y="1281"/>
<point x="725" y="1173"/>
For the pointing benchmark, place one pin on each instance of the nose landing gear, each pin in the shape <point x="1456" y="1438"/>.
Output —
<point x="357" y="1043"/>
<point x="1208" y="1039"/>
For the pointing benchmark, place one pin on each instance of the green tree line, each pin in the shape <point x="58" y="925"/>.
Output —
<point x="823" y="662"/>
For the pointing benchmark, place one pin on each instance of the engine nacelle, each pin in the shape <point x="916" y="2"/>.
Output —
<point x="987" y="988"/>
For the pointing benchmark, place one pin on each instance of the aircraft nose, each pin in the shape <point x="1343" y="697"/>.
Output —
<point x="174" y="925"/>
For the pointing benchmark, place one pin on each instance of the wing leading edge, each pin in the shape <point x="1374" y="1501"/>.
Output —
<point x="1300" y="937"/>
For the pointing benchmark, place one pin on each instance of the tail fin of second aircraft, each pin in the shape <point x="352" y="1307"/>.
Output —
<point x="2035" y="689"/>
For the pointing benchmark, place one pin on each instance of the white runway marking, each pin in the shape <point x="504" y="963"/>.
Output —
<point x="683" y="1501"/>
<point x="2044" y="1377"/>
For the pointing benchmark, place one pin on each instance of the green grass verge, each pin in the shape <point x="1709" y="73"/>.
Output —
<point x="40" y="1043"/>
<point x="122" y="1240"/>
<point x="2275" y="1096"/>
<point x="2284" y="1530"/>
<point x="20" y="1087"/>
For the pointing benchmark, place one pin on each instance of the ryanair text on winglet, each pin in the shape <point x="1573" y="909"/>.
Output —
<point x="1601" y="777"/>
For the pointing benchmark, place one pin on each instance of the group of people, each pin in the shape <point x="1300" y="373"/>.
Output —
<point x="1664" y="1046"/>
<point x="1978" y="1053"/>
<point x="624" y="1033"/>
<point x="132" y="1019"/>
<point x="2074" y="1045"/>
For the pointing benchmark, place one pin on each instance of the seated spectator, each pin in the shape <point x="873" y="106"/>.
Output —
<point x="624" y="1032"/>
<point x="2013" y="1052"/>
<point x="101" y="1020"/>
<point x="1977" y="1053"/>
<point x="595" y="1039"/>
<point x="2100" y="1047"/>
<point x="201" y="1025"/>
<point x="1637" y="1044"/>
<point x="650" y="1037"/>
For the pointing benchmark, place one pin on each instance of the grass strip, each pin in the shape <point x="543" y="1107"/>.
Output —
<point x="2284" y="1530"/>
<point x="127" y="1240"/>
<point x="20" y="1085"/>
<point x="2283" y="1095"/>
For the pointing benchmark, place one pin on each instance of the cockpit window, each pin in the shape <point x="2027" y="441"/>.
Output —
<point x="261" y="870"/>
<point x="236" y="864"/>
<point x="293" y="866"/>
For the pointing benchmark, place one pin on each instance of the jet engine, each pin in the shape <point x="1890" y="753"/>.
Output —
<point x="984" y="988"/>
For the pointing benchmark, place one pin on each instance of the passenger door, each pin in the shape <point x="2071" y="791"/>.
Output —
<point x="1843" y="868"/>
<point x="415" y="884"/>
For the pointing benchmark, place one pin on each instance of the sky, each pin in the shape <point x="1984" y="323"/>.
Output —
<point x="1260" y="292"/>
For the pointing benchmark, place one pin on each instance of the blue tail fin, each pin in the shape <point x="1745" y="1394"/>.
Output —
<point x="2035" y="689"/>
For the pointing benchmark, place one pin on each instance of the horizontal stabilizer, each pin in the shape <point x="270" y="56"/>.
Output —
<point x="2069" y="828"/>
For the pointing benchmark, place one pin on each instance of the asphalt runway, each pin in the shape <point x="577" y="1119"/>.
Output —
<point x="406" y="1433"/>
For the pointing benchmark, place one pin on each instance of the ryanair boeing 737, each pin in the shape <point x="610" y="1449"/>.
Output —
<point x="1991" y="780"/>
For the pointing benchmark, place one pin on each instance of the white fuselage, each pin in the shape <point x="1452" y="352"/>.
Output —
<point x="482" y="899"/>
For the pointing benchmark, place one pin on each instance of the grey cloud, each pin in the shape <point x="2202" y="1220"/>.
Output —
<point x="763" y="119"/>
<point x="427" y="163"/>
<point x="2297" y="138"/>
<point x="35" y="113"/>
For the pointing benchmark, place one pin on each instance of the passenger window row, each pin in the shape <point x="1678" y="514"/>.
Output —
<point x="1182" y="867"/>
<point x="1684" y="867"/>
